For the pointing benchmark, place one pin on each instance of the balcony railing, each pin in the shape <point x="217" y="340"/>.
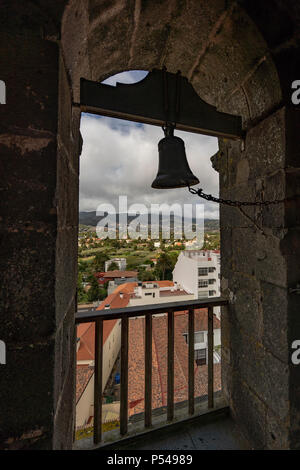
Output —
<point x="147" y="311"/>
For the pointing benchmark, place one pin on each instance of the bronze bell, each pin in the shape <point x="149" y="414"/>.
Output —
<point x="173" y="168"/>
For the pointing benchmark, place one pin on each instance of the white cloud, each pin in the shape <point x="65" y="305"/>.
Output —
<point x="121" y="158"/>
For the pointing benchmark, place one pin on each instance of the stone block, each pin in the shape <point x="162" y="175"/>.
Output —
<point x="66" y="270"/>
<point x="29" y="190"/>
<point x="27" y="284"/>
<point x="30" y="71"/>
<point x="64" y="416"/>
<point x="275" y="320"/>
<point x="65" y="107"/>
<point x="265" y="145"/>
<point x="102" y="40"/>
<point x="262" y="89"/>
<point x="249" y="412"/>
<point x="67" y="199"/>
<point x="277" y="432"/>
<point x="28" y="378"/>
<point x="244" y="250"/>
<point x="247" y="304"/>
<point x="270" y="263"/>
<point x="243" y="217"/>
<point x="233" y="52"/>
<point x="272" y="189"/>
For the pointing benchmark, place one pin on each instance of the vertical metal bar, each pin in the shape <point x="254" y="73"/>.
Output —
<point x="124" y="377"/>
<point x="148" y="370"/>
<point x="98" y="380"/>
<point x="210" y="341"/>
<point x="191" y="360"/>
<point x="170" y="399"/>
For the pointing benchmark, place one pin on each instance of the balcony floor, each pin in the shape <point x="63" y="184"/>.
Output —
<point x="214" y="433"/>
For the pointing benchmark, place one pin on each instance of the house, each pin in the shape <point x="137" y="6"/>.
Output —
<point x="146" y="293"/>
<point x="115" y="278"/>
<point x="199" y="272"/>
<point x="120" y="262"/>
<point x="124" y="295"/>
<point x="86" y="354"/>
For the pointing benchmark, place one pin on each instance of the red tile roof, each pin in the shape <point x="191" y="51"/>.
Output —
<point x="86" y="331"/>
<point x="159" y="361"/>
<point x="117" y="274"/>
<point x="83" y="376"/>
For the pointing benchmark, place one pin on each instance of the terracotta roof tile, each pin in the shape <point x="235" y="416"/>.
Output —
<point x="117" y="274"/>
<point x="83" y="376"/>
<point x="86" y="331"/>
<point x="159" y="365"/>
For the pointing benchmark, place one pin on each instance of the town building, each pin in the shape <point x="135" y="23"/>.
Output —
<point x="116" y="278"/>
<point x="86" y="354"/>
<point x="120" y="262"/>
<point x="198" y="271"/>
<point x="124" y="295"/>
<point x="155" y="292"/>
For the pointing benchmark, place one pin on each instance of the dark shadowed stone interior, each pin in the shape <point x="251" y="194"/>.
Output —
<point x="241" y="56"/>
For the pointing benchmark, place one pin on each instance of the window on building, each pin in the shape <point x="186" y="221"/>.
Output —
<point x="211" y="269"/>
<point x="202" y="283"/>
<point x="198" y="335"/>
<point x="211" y="281"/>
<point x="202" y="294"/>
<point x="200" y="356"/>
<point x="212" y="292"/>
<point x="202" y="271"/>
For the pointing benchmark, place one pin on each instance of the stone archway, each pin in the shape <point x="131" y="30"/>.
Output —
<point x="240" y="58"/>
<point x="220" y="50"/>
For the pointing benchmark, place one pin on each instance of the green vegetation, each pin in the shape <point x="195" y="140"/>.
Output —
<point x="139" y="255"/>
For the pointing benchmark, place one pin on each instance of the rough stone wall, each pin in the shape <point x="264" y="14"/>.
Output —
<point x="241" y="57"/>
<point x="39" y="146"/>
<point x="218" y="46"/>
<point x="260" y="255"/>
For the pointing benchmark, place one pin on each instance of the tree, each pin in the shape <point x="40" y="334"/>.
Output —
<point x="94" y="292"/>
<point x="151" y="245"/>
<point x="99" y="261"/>
<point x="164" y="266"/>
<point x="150" y="275"/>
<point x="81" y="294"/>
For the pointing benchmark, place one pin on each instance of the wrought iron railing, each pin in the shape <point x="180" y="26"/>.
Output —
<point x="147" y="311"/>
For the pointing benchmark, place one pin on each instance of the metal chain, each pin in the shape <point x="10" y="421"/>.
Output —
<point x="228" y="202"/>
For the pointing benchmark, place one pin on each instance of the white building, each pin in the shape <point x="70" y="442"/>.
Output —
<point x="158" y="292"/>
<point x="198" y="271"/>
<point x="121" y="262"/>
<point x="126" y="295"/>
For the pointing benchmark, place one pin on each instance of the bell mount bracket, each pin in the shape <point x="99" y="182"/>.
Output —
<point x="142" y="102"/>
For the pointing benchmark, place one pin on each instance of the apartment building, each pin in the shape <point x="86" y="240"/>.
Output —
<point x="158" y="292"/>
<point x="198" y="271"/>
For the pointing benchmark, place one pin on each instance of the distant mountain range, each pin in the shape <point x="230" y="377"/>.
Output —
<point x="91" y="219"/>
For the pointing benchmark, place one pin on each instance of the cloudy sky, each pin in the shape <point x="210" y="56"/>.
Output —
<point x="120" y="158"/>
